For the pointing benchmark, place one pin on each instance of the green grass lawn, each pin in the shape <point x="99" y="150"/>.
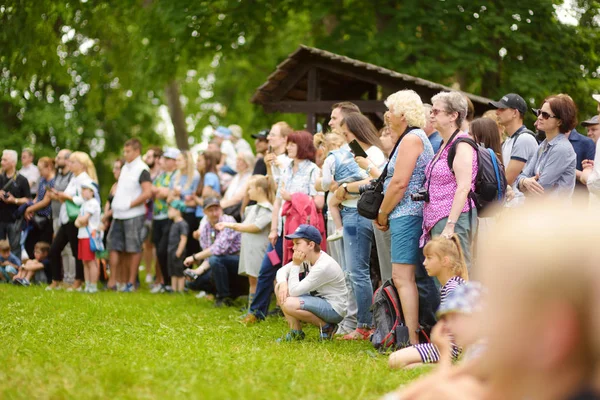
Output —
<point x="112" y="345"/>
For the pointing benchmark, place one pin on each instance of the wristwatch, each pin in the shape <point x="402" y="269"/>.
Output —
<point x="345" y="186"/>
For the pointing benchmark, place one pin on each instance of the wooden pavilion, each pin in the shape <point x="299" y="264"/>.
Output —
<point x="309" y="81"/>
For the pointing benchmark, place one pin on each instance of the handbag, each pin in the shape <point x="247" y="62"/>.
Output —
<point x="371" y="198"/>
<point x="72" y="210"/>
<point x="96" y="242"/>
<point x="40" y="222"/>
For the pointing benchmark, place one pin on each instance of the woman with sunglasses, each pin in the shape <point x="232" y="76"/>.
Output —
<point x="552" y="168"/>
<point x="447" y="208"/>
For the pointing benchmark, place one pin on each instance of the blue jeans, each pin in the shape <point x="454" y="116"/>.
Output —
<point x="321" y="308"/>
<point x="224" y="271"/>
<point x="358" y="239"/>
<point x="264" y="286"/>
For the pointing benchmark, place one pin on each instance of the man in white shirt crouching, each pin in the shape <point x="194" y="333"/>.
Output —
<point x="311" y="288"/>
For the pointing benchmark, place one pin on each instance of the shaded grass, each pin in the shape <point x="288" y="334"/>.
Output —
<point x="111" y="345"/>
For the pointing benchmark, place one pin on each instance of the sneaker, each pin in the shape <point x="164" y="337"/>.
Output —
<point x="158" y="289"/>
<point x="129" y="288"/>
<point x="337" y="235"/>
<point x="120" y="287"/>
<point x="292" y="336"/>
<point x="149" y="279"/>
<point x="249" y="319"/>
<point x="168" y="289"/>
<point x="327" y="331"/>
<point x="21" y="281"/>
<point x="201" y="294"/>
<point x="344" y="330"/>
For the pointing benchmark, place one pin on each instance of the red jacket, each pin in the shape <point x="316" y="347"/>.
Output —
<point x="300" y="210"/>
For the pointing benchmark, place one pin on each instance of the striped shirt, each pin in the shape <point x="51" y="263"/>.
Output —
<point x="428" y="351"/>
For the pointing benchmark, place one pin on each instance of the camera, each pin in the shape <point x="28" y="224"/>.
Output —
<point x="367" y="186"/>
<point x="421" y="195"/>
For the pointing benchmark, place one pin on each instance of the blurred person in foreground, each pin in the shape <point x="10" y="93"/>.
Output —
<point x="542" y="340"/>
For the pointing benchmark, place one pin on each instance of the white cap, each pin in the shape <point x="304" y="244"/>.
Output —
<point x="236" y="130"/>
<point x="596" y="97"/>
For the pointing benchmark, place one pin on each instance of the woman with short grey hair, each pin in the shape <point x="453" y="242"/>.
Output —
<point x="448" y="208"/>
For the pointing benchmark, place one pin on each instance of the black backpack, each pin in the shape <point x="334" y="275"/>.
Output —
<point x="391" y="333"/>
<point x="490" y="182"/>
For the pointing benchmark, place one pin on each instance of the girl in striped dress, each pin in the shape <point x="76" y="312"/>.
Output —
<point x="444" y="260"/>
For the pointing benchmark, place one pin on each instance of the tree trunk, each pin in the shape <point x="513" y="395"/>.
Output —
<point x="176" y="113"/>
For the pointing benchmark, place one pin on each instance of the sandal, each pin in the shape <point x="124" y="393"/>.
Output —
<point x="358" y="334"/>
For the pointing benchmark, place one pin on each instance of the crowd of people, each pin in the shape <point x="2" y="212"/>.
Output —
<point x="228" y="223"/>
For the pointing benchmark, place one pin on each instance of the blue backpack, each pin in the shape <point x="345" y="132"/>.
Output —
<point x="490" y="183"/>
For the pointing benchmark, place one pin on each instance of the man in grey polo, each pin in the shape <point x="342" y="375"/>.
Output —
<point x="125" y="237"/>
<point x="63" y="177"/>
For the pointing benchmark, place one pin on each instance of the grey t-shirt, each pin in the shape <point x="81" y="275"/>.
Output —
<point x="60" y="184"/>
<point x="177" y="229"/>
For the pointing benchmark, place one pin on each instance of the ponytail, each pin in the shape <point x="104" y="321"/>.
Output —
<point x="459" y="265"/>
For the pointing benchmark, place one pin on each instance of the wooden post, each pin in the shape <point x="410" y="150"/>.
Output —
<point x="312" y="95"/>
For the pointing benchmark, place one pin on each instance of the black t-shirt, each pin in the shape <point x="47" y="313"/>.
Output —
<point x="19" y="188"/>
<point x="177" y="229"/>
<point x="260" y="168"/>
<point x="145" y="177"/>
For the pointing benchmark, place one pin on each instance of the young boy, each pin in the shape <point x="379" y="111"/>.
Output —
<point x="9" y="263"/>
<point x="176" y="245"/>
<point x="34" y="270"/>
<point x="88" y="222"/>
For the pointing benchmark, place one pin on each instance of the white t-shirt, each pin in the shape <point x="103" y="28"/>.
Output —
<point x="376" y="156"/>
<point x="325" y="277"/>
<point x="228" y="149"/>
<point x="74" y="190"/>
<point x="91" y="207"/>
<point x="593" y="182"/>
<point x="283" y="161"/>
<point x="32" y="173"/>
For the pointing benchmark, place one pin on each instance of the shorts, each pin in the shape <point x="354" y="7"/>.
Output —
<point x="176" y="266"/>
<point x="405" y="234"/>
<point x="321" y="308"/>
<point x="127" y="235"/>
<point x="84" y="251"/>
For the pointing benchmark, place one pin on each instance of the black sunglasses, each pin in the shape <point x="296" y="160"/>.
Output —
<point x="544" y="114"/>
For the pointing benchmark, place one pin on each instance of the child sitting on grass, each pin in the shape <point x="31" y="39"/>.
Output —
<point x="34" y="270"/>
<point x="88" y="222"/>
<point x="444" y="260"/>
<point x="178" y="234"/>
<point x="339" y="166"/>
<point x="9" y="263"/>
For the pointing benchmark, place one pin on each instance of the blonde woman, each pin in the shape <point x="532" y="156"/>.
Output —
<point x="83" y="172"/>
<point x="183" y="186"/>
<point x="232" y="199"/>
<point x="398" y="212"/>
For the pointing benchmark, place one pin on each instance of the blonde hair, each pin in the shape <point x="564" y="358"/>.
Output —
<point x="442" y="247"/>
<point x="262" y="182"/>
<point x="87" y="163"/>
<point x="190" y="168"/>
<point x="248" y="158"/>
<point x="409" y="104"/>
<point x="330" y="141"/>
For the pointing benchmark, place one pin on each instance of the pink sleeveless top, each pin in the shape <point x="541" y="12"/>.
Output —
<point x="442" y="189"/>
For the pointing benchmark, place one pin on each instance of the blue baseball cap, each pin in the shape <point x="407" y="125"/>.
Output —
<point x="223" y="132"/>
<point x="465" y="299"/>
<point x="307" y="232"/>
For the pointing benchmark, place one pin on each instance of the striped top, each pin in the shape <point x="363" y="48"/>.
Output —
<point x="428" y="351"/>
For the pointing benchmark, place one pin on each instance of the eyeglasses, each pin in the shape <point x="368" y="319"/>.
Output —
<point x="545" y="115"/>
<point x="435" y="111"/>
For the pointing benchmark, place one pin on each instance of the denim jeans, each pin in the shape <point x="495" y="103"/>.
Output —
<point x="358" y="239"/>
<point x="224" y="271"/>
<point x="264" y="286"/>
<point x="11" y="231"/>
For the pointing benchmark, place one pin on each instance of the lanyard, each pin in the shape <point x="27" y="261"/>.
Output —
<point x="438" y="155"/>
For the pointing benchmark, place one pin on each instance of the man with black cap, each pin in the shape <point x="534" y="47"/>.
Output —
<point x="311" y="288"/>
<point x="521" y="144"/>
<point x="220" y="252"/>
<point x="593" y="128"/>
<point x="261" y="145"/>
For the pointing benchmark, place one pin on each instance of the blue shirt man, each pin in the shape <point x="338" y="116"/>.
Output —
<point x="585" y="149"/>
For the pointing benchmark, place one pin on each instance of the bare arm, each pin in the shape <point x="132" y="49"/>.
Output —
<point x="145" y="196"/>
<point x="247" y="228"/>
<point x="513" y="169"/>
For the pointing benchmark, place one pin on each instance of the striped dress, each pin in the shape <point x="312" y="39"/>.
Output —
<point x="428" y="351"/>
